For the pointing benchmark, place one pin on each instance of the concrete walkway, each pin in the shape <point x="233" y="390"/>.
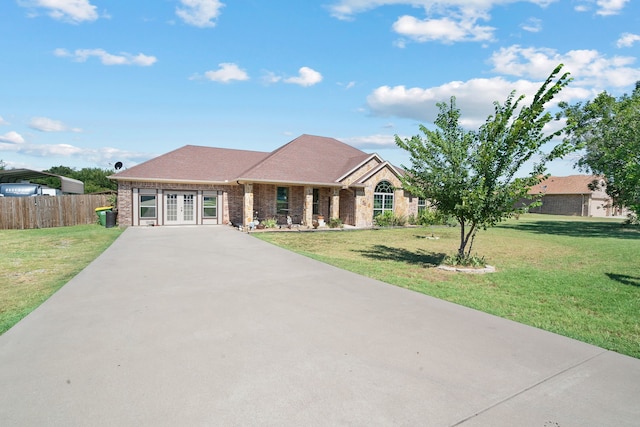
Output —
<point x="206" y="326"/>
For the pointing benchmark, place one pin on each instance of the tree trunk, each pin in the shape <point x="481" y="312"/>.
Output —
<point x="462" y="239"/>
<point x="465" y="237"/>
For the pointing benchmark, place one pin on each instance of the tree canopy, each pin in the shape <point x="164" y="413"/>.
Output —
<point x="474" y="175"/>
<point x="608" y="129"/>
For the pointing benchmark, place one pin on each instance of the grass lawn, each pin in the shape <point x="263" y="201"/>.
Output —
<point x="36" y="263"/>
<point x="578" y="277"/>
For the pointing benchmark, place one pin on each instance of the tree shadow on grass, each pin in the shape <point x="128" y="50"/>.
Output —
<point x="577" y="228"/>
<point x="625" y="279"/>
<point x="387" y="253"/>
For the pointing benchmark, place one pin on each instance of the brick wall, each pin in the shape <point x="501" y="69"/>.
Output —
<point x="570" y="204"/>
<point x="364" y="202"/>
<point x="347" y="207"/>
<point x="125" y="203"/>
<point x="365" y="169"/>
<point x="231" y="200"/>
<point x="264" y="203"/>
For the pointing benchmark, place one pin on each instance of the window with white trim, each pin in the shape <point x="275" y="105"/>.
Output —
<point x="422" y="204"/>
<point x="382" y="198"/>
<point x="148" y="205"/>
<point x="282" y="200"/>
<point x="210" y="206"/>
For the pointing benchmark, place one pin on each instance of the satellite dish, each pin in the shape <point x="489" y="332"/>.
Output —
<point x="118" y="166"/>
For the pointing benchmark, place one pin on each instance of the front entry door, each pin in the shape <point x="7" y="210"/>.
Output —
<point x="179" y="208"/>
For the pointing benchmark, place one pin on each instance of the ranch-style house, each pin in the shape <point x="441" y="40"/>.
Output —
<point x="311" y="178"/>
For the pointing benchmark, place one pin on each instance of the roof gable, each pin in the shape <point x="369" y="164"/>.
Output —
<point x="358" y="167"/>
<point x="195" y="163"/>
<point x="307" y="159"/>
<point x="383" y="165"/>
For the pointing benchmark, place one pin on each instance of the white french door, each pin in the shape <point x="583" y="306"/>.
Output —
<point x="179" y="208"/>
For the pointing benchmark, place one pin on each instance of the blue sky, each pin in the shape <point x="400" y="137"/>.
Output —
<point x="87" y="83"/>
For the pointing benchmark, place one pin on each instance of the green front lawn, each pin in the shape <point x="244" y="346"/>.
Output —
<point x="578" y="277"/>
<point x="36" y="263"/>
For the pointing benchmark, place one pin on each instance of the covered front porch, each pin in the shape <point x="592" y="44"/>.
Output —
<point x="300" y="205"/>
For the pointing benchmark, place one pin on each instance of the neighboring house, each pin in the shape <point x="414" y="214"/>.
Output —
<point x="570" y="195"/>
<point x="307" y="178"/>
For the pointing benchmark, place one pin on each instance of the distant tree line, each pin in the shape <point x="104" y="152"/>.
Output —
<point x="95" y="179"/>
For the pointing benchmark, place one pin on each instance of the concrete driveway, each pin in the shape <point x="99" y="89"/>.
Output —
<point x="206" y="326"/>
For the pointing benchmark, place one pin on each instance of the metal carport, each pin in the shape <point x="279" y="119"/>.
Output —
<point x="67" y="185"/>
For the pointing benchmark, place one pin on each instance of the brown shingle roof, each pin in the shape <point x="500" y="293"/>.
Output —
<point x="573" y="184"/>
<point x="195" y="163"/>
<point x="307" y="159"/>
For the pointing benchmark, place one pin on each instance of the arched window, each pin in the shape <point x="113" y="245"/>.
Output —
<point x="382" y="198"/>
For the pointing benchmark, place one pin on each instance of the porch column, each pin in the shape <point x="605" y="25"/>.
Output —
<point x="363" y="211"/>
<point x="307" y="212"/>
<point x="247" y="205"/>
<point x="335" y="203"/>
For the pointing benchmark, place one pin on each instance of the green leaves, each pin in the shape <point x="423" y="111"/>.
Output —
<point x="608" y="129"/>
<point x="471" y="175"/>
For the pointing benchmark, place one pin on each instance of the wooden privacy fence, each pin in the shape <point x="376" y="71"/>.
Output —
<point x="50" y="211"/>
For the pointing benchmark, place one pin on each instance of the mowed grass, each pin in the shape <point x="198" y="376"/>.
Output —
<point x="36" y="263"/>
<point x="578" y="277"/>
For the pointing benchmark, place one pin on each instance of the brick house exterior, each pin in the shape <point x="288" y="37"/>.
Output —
<point x="306" y="179"/>
<point x="571" y="195"/>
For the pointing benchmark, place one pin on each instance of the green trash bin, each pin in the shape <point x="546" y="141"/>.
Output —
<point x="102" y="214"/>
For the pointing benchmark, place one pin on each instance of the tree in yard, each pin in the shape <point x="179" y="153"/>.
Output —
<point x="2" y="165"/>
<point x="608" y="129"/>
<point x="471" y="175"/>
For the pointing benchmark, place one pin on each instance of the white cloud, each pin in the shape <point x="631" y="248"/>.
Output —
<point x="270" y="77"/>
<point x="589" y="68"/>
<point x="102" y="157"/>
<point x="199" y="13"/>
<point x="345" y="9"/>
<point x="74" y="11"/>
<point x="592" y="72"/>
<point x="226" y="73"/>
<point x="371" y="142"/>
<point x="445" y="29"/>
<point x="3" y="122"/>
<point x="447" y="21"/>
<point x="349" y="85"/>
<point x="306" y="77"/>
<point x="11" y="138"/>
<point x="82" y="55"/>
<point x="532" y="25"/>
<point x="474" y="97"/>
<point x="610" y="7"/>
<point x="400" y="43"/>
<point x="627" y="40"/>
<point x="603" y="7"/>
<point x="44" y="124"/>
